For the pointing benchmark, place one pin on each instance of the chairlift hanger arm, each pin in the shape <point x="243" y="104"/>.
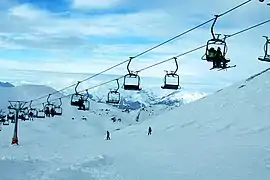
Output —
<point x="130" y="59"/>
<point x="48" y="98"/>
<point x="77" y="87"/>
<point x="30" y="105"/>
<point x="176" y="63"/>
<point x="213" y="25"/>
<point x="60" y="102"/>
<point x="117" y="80"/>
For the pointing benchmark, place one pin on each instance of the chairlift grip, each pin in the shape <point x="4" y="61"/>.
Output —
<point x="130" y="58"/>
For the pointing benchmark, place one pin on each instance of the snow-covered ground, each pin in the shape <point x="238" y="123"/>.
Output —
<point x="223" y="136"/>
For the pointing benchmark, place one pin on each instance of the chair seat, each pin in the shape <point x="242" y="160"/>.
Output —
<point x="170" y="86"/>
<point x="132" y="87"/>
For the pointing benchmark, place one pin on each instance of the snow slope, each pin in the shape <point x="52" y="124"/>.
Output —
<point x="223" y="136"/>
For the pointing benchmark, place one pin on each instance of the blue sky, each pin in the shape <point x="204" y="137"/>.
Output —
<point x="92" y="35"/>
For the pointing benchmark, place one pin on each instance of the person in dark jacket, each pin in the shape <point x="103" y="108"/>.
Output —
<point x="108" y="136"/>
<point x="149" y="131"/>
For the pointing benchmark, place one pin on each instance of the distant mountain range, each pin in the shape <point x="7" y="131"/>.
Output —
<point x="6" y="84"/>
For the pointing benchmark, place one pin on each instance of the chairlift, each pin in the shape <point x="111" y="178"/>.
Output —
<point x="24" y="114"/>
<point x="79" y="100"/>
<point x="58" y="109"/>
<point x="5" y="122"/>
<point x="113" y="95"/>
<point x="32" y="112"/>
<point x="49" y="107"/>
<point x="40" y="112"/>
<point x="174" y="84"/>
<point x="11" y="116"/>
<point x="266" y="56"/>
<point x="215" y="42"/>
<point x="132" y="76"/>
<point x="3" y="118"/>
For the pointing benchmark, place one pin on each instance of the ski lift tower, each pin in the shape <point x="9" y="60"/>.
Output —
<point x="17" y="106"/>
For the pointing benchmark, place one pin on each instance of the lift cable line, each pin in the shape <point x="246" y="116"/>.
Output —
<point x="148" y="50"/>
<point x="148" y="67"/>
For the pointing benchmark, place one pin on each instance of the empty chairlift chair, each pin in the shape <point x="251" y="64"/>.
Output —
<point x="266" y="56"/>
<point x="79" y="100"/>
<point x="171" y="79"/>
<point x="40" y="112"/>
<point x="58" y="109"/>
<point x="131" y="80"/>
<point x="113" y="95"/>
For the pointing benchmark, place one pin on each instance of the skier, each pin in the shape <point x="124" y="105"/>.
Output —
<point x="149" y="131"/>
<point x="108" y="136"/>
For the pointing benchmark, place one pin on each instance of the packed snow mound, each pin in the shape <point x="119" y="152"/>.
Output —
<point x="222" y="136"/>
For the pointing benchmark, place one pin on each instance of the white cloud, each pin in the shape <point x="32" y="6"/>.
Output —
<point x="28" y="12"/>
<point x="26" y="27"/>
<point x="94" y="4"/>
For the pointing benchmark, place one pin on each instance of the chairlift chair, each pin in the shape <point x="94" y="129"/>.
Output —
<point x="58" y="109"/>
<point x="113" y="95"/>
<point x="24" y="114"/>
<point x="79" y="100"/>
<point x="40" y="114"/>
<point x="11" y="116"/>
<point x="171" y="76"/>
<point x="216" y="41"/>
<point x="266" y="56"/>
<point x="48" y="107"/>
<point x="4" y="120"/>
<point x="131" y="76"/>
<point x="33" y="111"/>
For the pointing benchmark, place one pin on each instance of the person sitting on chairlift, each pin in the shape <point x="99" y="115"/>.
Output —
<point x="218" y="59"/>
<point x="31" y="115"/>
<point x="52" y="112"/>
<point x="211" y="54"/>
<point x="47" y="112"/>
<point x="81" y="103"/>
